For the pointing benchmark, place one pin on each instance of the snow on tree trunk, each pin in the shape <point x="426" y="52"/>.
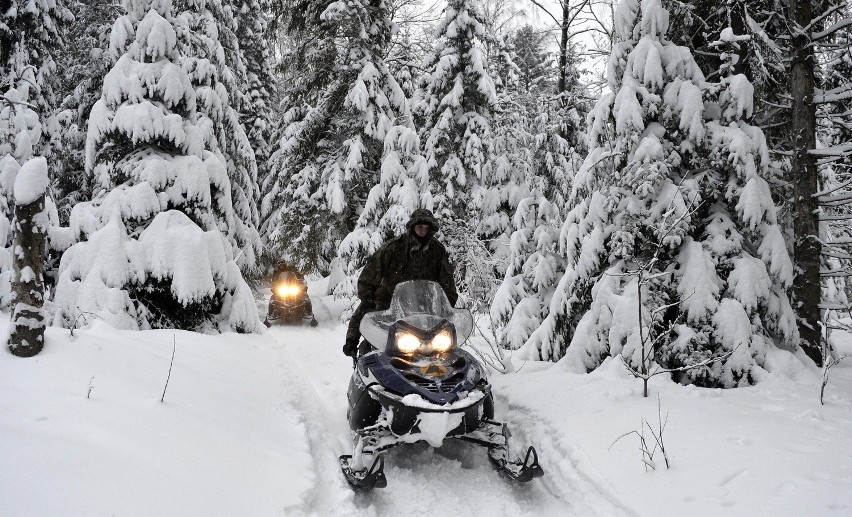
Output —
<point x="26" y="333"/>
<point x="21" y="132"/>
<point x="807" y="248"/>
<point x="672" y="226"/>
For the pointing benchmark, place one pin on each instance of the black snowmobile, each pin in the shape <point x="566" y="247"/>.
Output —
<point x="289" y="303"/>
<point x="419" y="385"/>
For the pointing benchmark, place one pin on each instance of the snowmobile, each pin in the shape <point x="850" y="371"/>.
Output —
<point x="419" y="385"/>
<point x="289" y="303"/>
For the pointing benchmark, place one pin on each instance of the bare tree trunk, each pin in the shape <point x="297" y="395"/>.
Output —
<point x="807" y="247"/>
<point x="26" y="336"/>
<point x="562" y="85"/>
<point x="738" y="25"/>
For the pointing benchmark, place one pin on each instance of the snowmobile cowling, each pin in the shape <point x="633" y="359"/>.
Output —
<point x="419" y="385"/>
<point x="405" y="389"/>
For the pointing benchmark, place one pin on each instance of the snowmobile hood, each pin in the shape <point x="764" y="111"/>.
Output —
<point x="439" y="380"/>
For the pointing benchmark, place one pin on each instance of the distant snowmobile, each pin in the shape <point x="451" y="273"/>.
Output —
<point x="289" y="303"/>
<point x="419" y="385"/>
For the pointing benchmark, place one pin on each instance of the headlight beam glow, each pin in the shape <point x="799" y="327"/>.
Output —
<point x="442" y="342"/>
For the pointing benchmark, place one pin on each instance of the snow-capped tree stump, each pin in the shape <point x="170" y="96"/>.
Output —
<point x="26" y="335"/>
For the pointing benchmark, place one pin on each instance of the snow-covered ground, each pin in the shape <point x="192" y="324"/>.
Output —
<point x="253" y="425"/>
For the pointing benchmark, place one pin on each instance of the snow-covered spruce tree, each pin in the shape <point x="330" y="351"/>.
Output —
<point x="535" y="264"/>
<point x="156" y="241"/>
<point x="760" y="57"/>
<point x="404" y="66"/>
<point x="26" y="332"/>
<point x="549" y="163"/>
<point x="213" y="59"/>
<point x="685" y="199"/>
<point x="536" y="74"/>
<point x="509" y="178"/>
<point x="256" y="109"/>
<point x="453" y="110"/>
<point x="330" y="157"/>
<point x="308" y="58"/>
<point x="31" y="36"/>
<point x="82" y="66"/>
<point x="402" y="188"/>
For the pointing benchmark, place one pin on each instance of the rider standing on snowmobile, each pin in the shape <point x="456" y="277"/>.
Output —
<point x="414" y="255"/>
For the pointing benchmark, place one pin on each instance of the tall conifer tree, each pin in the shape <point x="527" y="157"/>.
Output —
<point x="158" y="239"/>
<point x="330" y="154"/>
<point x="684" y="201"/>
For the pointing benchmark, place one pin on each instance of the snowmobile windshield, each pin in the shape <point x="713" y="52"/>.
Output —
<point x="287" y="277"/>
<point x="420" y="303"/>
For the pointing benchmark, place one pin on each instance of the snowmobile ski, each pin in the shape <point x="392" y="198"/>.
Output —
<point x="367" y="479"/>
<point x="519" y="471"/>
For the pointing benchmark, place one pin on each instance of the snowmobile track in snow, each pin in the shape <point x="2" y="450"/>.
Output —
<point x="455" y="479"/>
<point x="571" y="478"/>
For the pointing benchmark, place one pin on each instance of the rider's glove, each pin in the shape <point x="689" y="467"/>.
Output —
<point x="351" y="349"/>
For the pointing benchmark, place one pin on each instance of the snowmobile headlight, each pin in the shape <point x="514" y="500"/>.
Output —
<point x="442" y="342"/>
<point x="285" y="290"/>
<point x="407" y="343"/>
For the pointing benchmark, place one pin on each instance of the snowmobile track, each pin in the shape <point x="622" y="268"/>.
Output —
<point x="455" y="479"/>
<point x="323" y="425"/>
<point x="573" y="479"/>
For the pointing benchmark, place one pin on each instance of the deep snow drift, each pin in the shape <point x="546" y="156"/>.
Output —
<point x="253" y="425"/>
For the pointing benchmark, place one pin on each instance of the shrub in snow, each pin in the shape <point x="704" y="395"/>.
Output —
<point x="155" y="244"/>
<point x="26" y="333"/>
<point x="675" y="178"/>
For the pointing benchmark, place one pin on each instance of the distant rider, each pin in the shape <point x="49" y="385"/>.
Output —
<point x="283" y="267"/>
<point x="414" y="255"/>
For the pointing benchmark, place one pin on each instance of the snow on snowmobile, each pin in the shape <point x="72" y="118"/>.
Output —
<point x="289" y="303"/>
<point x="419" y="385"/>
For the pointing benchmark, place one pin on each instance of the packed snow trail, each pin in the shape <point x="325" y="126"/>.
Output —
<point x="456" y="479"/>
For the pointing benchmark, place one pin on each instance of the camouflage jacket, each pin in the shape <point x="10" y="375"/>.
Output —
<point x="401" y="259"/>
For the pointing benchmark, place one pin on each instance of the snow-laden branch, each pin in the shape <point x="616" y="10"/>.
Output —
<point x="834" y="201"/>
<point x="834" y="95"/>
<point x="835" y="273"/>
<point x="838" y="26"/>
<point x="837" y="150"/>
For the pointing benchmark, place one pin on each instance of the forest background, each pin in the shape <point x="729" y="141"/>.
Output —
<point x="683" y="203"/>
